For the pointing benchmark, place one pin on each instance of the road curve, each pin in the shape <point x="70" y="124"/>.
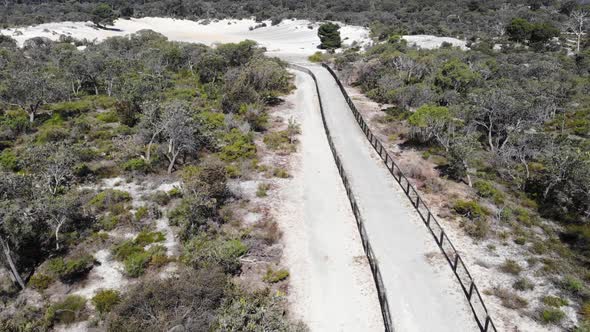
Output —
<point x="422" y="292"/>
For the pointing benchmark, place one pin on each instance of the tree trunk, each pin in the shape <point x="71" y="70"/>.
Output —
<point x="59" y="224"/>
<point x="13" y="269"/>
<point x="172" y="162"/>
<point x="31" y="116"/>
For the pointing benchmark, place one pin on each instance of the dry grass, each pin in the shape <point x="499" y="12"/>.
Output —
<point x="510" y="299"/>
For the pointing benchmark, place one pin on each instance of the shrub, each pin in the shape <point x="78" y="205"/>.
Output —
<point x="144" y="238"/>
<point x="105" y="300"/>
<point x="273" y="276"/>
<point x="572" y="284"/>
<point x="136" y="165"/>
<point x="125" y="249"/>
<point x="523" y="284"/>
<point x="8" y="160"/>
<point x="260" y="311"/>
<point x="141" y="213"/>
<point x="279" y="140"/>
<point x="510" y="266"/>
<point x="51" y="133"/>
<point x="470" y="209"/>
<point x="202" y="251"/>
<point x="108" y="117"/>
<point x="161" y="198"/>
<point x="136" y="263"/>
<point x="262" y="190"/>
<point x="586" y="311"/>
<point x="478" y="229"/>
<point x="237" y="146"/>
<point x="67" y="311"/>
<point x="318" y="57"/>
<point x="551" y="315"/>
<point x="108" y="198"/>
<point x="487" y="190"/>
<point x="509" y="299"/>
<point x="69" y="270"/>
<point x="40" y="281"/>
<point x="280" y="172"/>
<point x="198" y="292"/>
<point x="554" y="301"/>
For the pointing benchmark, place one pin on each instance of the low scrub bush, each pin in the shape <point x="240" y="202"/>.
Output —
<point x="573" y="284"/>
<point x="280" y="172"/>
<point x="108" y="117"/>
<point x="511" y="267"/>
<point x="237" y="146"/>
<point x="273" y="276"/>
<point x="554" y="301"/>
<point x="69" y="270"/>
<point x="144" y="238"/>
<point x="202" y="252"/>
<point x="136" y="263"/>
<point x="551" y="315"/>
<point x="168" y="300"/>
<point x="523" y="284"/>
<point x="67" y="311"/>
<point x="509" y="299"/>
<point x="262" y="190"/>
<point x="138" y="165"/>
<point x="470" y="209"/>
<point x="487" y="190"/>
<point x="40" y="281"/>
<point x="105" y="300"/>
<point x="109" y="198"/>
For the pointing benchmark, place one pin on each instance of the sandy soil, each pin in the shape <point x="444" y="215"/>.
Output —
<point x="481" y="261"/>
<point x="289" y="37"/>
<point x="430" y="42"/>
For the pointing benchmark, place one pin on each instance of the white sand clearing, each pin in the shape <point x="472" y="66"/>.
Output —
<point x="430" y="42"/>
<point x="288" y="37"/>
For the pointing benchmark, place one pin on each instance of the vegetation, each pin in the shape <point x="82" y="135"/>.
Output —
<point x="329" y="36"/>
<point x="128" y="110"/>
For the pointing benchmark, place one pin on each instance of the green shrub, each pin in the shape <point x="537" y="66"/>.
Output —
<point x="105" y="300"/>
<point x="51" y="133"/>
<point x="554" y="301"/>
<point x="262" y="190"/>
<point x="573" y="284"/>
<point x="523" y="284"/>
<point x="317" y="57"/>
<point x="233" y="171"/>
<point x="136" y="165"/>
<point x="40" y="281"/>
<point x="510" y="266"/>
<point x="520" y="240"/>
<point x="551" y="315"/>
<point x="144" y="238"/>
<point x="141" y="213"/>
<point x="68" y="270"/>
<point x="470" y="209"/>
<point x="175" y="193"/>
<point x="161" y="198"/>
<point x="136" y="263"/>
<point x="279" y="141"/>
<point x="273" y="276"/>
<point x="478" y="229"/>
<point x="237" y="146"/>
<point x="108" y="117"/>
<point x="67" y="311"/>
<point x="202" y="251"/>
<point x="280" y="172"/>
<point x="108" y="198"/>
<point x="8" y="160"/>
<point x="125" y="249"/>
<point x="487" y="190"/>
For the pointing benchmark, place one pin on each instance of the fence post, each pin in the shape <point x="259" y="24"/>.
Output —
<point x="470" y="291"/>
<point x="456" y="262"/>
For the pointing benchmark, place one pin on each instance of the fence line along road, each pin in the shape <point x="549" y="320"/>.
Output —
<point x="478" y="307"/>
<point x="357" y="215"/>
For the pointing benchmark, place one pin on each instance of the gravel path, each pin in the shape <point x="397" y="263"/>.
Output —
<point x="422" y="291"/>
<point x="331" y="286"/>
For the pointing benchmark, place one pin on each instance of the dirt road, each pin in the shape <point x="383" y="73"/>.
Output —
<point x="422" y="292"/>
<point x="331" y="287"/>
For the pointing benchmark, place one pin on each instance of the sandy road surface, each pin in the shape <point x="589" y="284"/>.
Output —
<point x="422" y="292"/>
<point x="331" y="286"/>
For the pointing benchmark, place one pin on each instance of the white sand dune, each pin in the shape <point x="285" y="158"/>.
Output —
<point x="296" y="37"/>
